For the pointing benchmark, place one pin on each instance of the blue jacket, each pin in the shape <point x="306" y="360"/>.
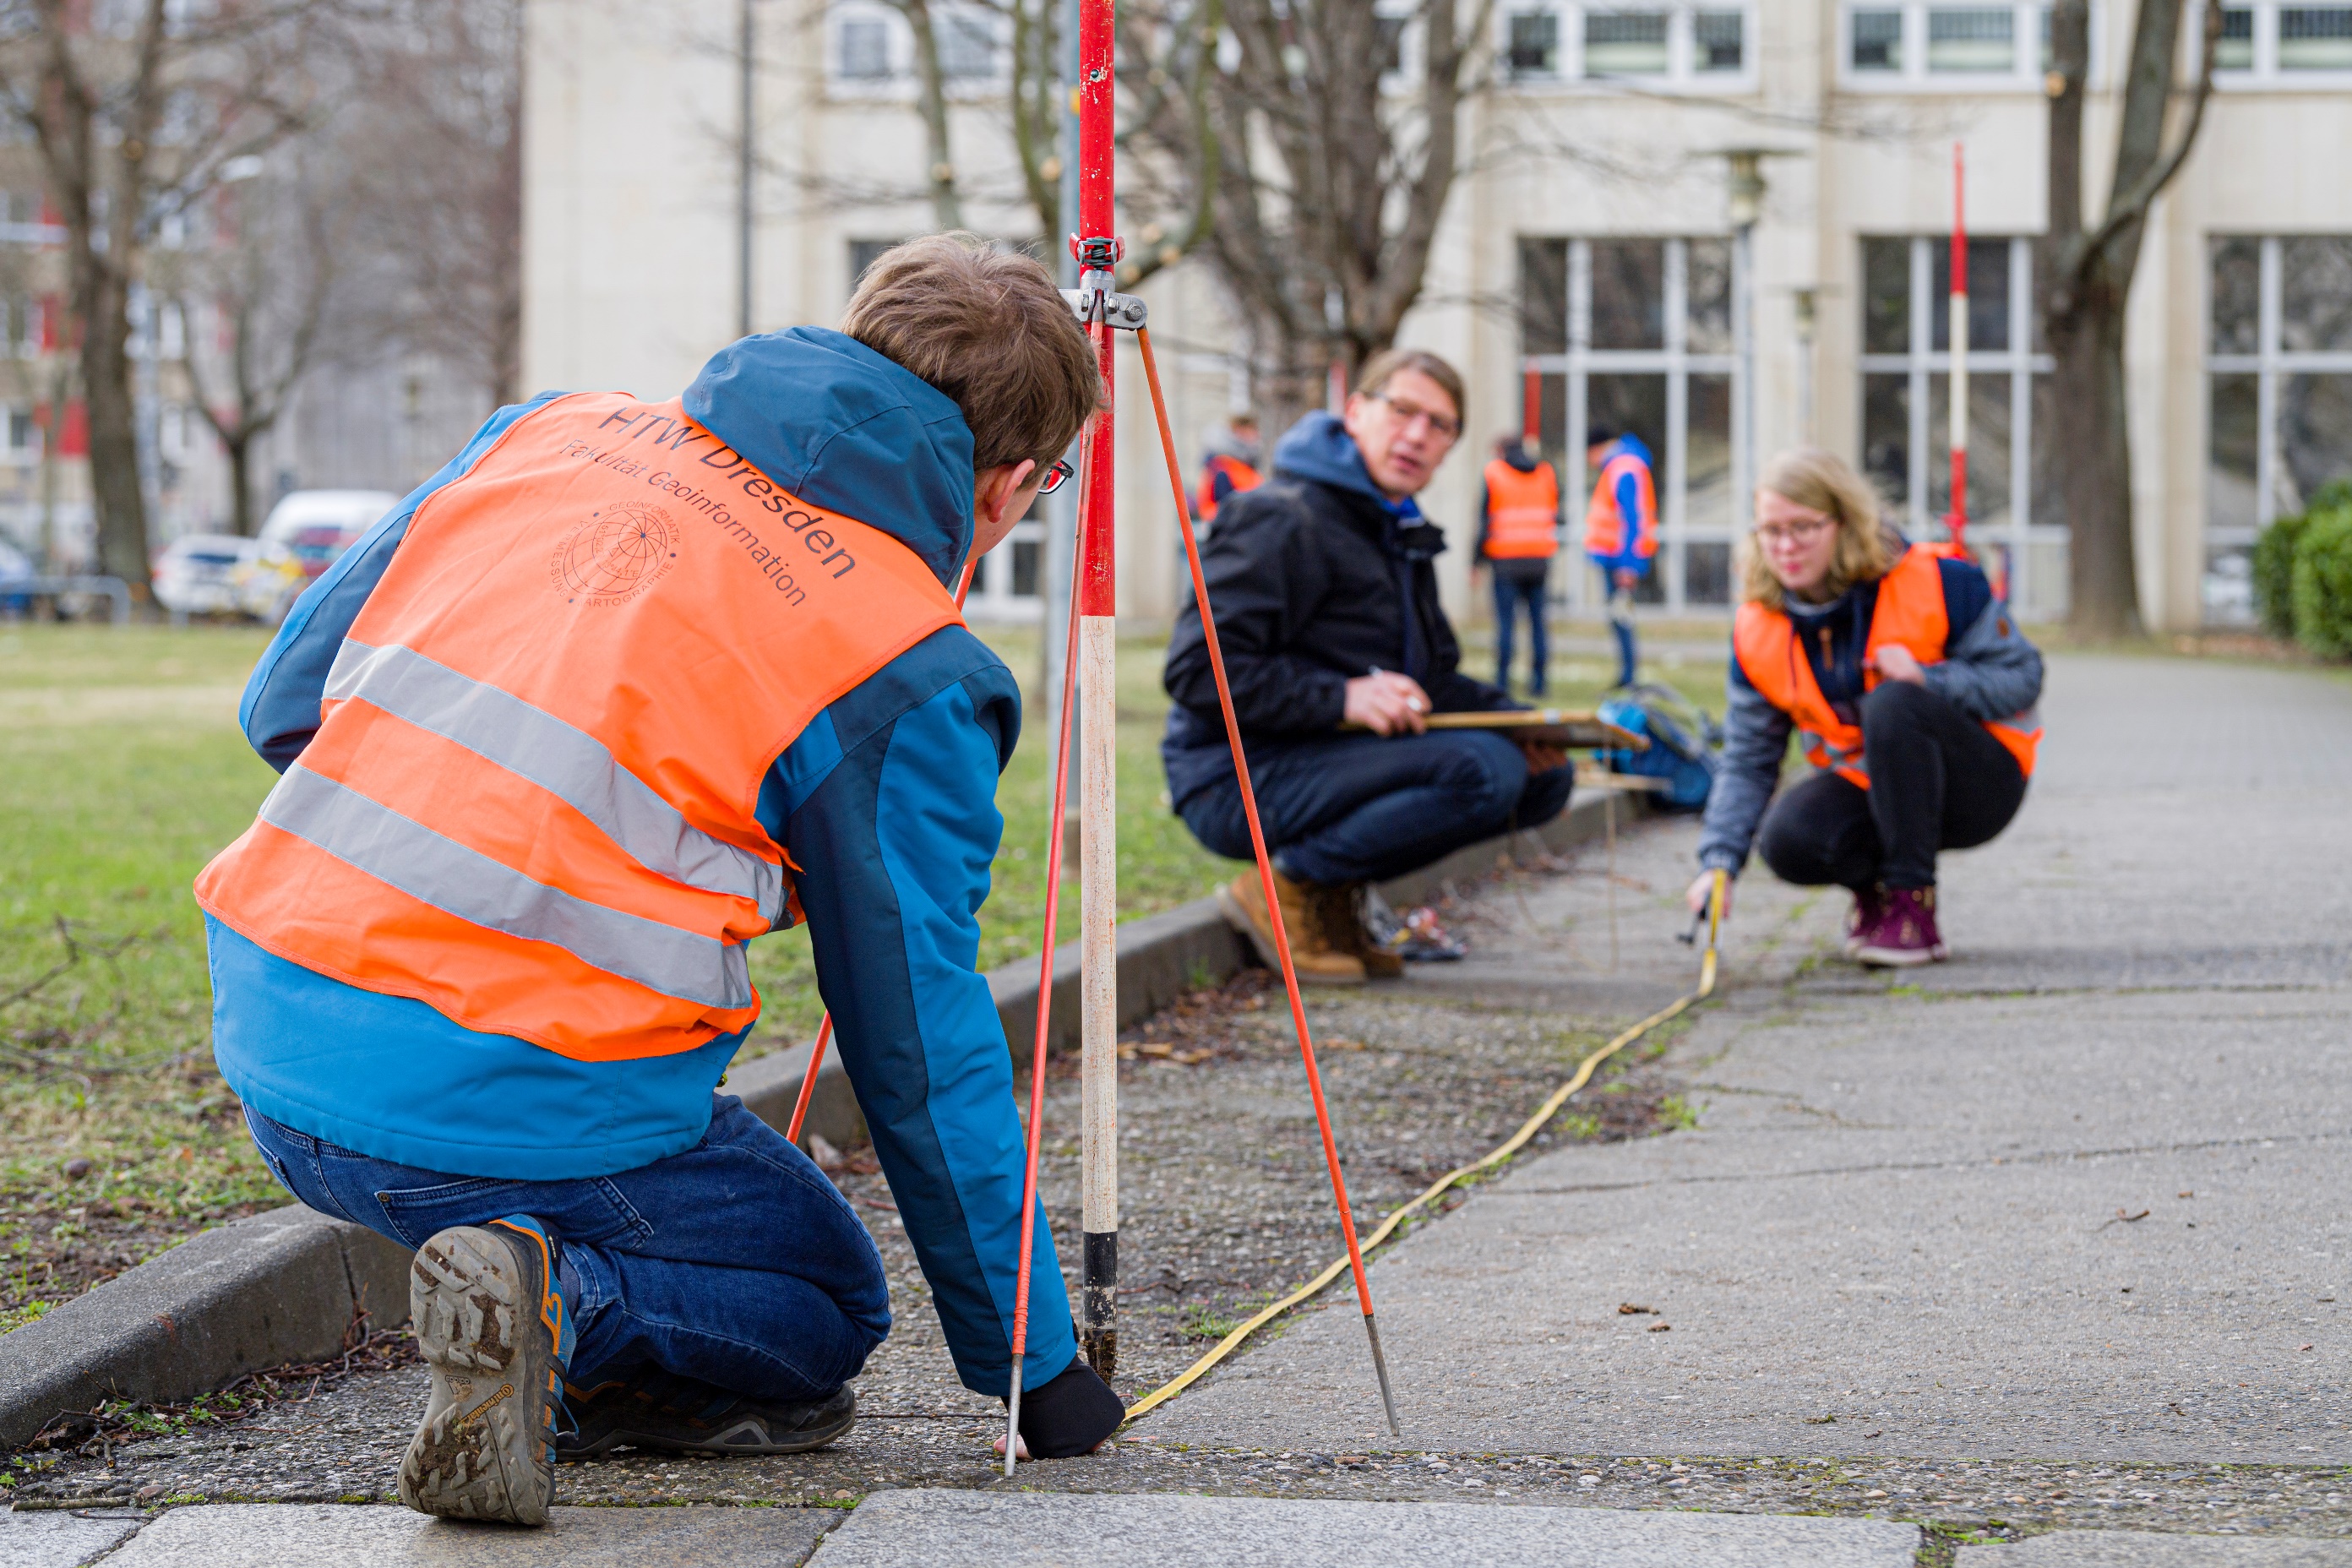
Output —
<point x="1988" y="672"/>
<point x="889" y="796"/>
<point x="1629" y="512"/>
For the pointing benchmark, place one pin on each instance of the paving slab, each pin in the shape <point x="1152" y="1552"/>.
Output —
<point x="52" y="1538"/>
<point x="2146" y="1549"/>
<point x="1036" y="1529"/>
<point x="271" y="1536"/>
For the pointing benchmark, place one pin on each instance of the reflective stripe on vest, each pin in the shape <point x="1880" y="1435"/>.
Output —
<point x="1909" y="611"/>
<point x="1604" y="530"/>
<point x="531" y="799"/>
<point x="1522" y="512"/>
<point x="1240" y="475"/>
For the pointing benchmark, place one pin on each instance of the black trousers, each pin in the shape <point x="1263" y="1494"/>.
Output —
<point x="1938" y="780"/>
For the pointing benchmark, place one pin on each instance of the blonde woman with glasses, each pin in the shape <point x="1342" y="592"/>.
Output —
<point x="1913" y="693"/>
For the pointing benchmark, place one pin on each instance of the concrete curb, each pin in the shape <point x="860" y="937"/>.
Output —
<point x="273" y="1288"/>
<point x="282" y="1286"/>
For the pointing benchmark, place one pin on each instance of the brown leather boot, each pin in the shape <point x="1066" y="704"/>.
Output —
<point x="1341" y="909"/>
<point x="1312" y="955"/>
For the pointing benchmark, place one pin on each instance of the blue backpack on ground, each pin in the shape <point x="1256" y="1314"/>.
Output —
<point x="1684" y="742"/>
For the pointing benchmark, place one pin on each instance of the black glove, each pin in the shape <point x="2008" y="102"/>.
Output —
<point x="1069" y="1415"/>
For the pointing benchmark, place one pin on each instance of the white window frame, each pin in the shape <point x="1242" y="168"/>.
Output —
<point x="1681" y="49"/>
<point x="2264" y="75"/>
<point x="2017" y="360"/>
<point x="1580" y="589"/>
<point x="2025" y="73"/>
<point x="2269" y="362"/>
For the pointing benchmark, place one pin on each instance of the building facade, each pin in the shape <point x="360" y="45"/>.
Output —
<point x="1587" y="263"/>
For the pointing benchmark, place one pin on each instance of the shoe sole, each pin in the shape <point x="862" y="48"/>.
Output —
<point x="1239" y="918"/>
<point x="800" y="1443"/>
<point x="1893" y="957"/>
<point x="483" y="1453"/>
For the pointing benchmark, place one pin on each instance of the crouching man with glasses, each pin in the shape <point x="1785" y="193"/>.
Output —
<point x="1327" y="610"/>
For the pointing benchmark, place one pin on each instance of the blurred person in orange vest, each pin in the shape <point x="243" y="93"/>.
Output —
<point x="1229" y="467"/>
<point x="1620" y="528"/>
<point x="1518" y="534"/>
<point x="622" y="687"/>
<point x="1913" y="695"/>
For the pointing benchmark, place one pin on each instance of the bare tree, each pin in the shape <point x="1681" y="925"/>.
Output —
<point x="2087" y="280"/>
<point x="135" y="106"/>
<point x="267" y="288"/>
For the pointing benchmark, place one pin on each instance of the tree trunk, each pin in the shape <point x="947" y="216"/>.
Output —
<point x="240" y="479"/>
<point x="121" y="503"/>
<point x="2094" y="437"/>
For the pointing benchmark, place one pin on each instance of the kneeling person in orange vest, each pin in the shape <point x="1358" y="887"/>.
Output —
<point x="624" y="686"/>
<point x="1912" y="689"/>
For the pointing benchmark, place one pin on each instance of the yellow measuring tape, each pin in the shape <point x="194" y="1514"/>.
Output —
<point x="1517" y="1140"/>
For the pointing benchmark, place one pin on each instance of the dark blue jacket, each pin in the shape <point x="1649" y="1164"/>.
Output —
<point x="888" y="797"/>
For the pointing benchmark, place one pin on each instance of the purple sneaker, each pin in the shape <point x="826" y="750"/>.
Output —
<point x="1869" y="904"/>
<point x="1904" y="932"/>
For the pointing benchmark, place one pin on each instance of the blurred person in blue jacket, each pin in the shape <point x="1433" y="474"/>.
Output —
<point x="621" y="687"/>
<point x="1620" y="529"/>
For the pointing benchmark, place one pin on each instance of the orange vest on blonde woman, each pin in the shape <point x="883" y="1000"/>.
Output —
<point x="530" y="801"/>
<point x="1910" y="611"/>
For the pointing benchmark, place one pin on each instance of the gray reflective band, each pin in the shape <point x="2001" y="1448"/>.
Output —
<point x="406" y="854"/>
<point x="568" y="762"/>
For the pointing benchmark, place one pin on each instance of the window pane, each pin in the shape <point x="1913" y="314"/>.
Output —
<point x="1543" y="296"/>
<point x="2228" y="590"/>
<point x="1878" y="40"/>
<point x="864" y="49"/>
<point x="1552" y="420"/>
<point x="2230" y="442"/>
<point x="2046" y="507"/>
<point x="2237" y="296"/>
<point x="2235" y="52"/>
<point x="1392" y="41"/>
<point x="1624" y="43"/>
<point x="1706" y="285"/>
<point x="1629" y="293"/>
<point x="1971" y="38"/>
<point x="1706" y="573"/>
<point x="1706" y="455"/>
<point x="1715" y="40"/>
<point x="1535" y="44"/>
<point x="2315" y="293"/>
<point x="1987" y="293"/>
<point x="2315" y="435"/>
<point x="1886" y="438"/>
<point x="1989" y="498"/>
<point x="1026" y="555"/>
<point x="967" y="45"/>
<point x="1886" y="296"/>
<point x="2314" y="37"/>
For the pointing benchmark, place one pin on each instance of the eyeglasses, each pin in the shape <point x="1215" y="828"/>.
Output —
<point x="1407" y="412"/>
<point x="1056" y="477"/>
<point x="1804" y="531"/>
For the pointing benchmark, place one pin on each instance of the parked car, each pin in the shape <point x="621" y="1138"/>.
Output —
<point x="301" y="538"/>
<point x="195" y="575"/>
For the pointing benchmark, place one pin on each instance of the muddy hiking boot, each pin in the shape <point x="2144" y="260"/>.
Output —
<point x="1317" y="959"/>
<point x="659" y="1410"/>
<point x="1905" y="933"/>
<point x="1869" y="904"/>
<point x="493" y="1327"/>
<point x="1344" y="912"/>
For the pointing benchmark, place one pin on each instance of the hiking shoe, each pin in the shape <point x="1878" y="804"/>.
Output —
<point x="1869" y="904"/>
<point x="491" y="1325"/>
<point x="1904" y="932"/>
<point x="674" y="1414"/>
<point x="1343" y="911"/>
<point x="1313" y="958"/>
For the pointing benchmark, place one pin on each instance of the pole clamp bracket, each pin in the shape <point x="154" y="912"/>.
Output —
<point x="1122" y="312"/>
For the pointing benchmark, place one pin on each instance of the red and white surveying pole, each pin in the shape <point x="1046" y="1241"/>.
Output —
<point x="1958" y="385"/>
<point x="1531" y="409"/>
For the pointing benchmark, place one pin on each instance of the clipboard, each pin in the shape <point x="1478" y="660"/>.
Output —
<point x="1545" y="726"/>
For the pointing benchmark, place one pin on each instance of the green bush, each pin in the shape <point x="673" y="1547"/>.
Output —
<point x="2273" y="573"/>
<point x="2323" y="584"/>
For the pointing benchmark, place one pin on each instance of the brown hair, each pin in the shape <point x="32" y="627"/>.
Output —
<point x="1827" y="483"/>
<point x="988" y="327"/>
<point x="1383" y="367"/>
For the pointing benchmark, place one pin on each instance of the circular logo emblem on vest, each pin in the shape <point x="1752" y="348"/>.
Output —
<point x="619" y="552"/>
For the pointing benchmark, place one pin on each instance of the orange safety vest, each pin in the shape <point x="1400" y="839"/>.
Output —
<point x="1910" y="611"/>
<point x="1238" y="473"/>
<point x="1522" y="512"/>
<point x="530" y="801"/>
<point x="1604" y="532"/>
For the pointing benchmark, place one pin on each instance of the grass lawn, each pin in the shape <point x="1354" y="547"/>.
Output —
<point x="124" y="771"/>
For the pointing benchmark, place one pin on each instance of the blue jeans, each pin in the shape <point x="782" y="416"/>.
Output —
<point x="1510" y="593"/>
<point x="1363" y="808"/>
<point x="736" y="1263"/>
